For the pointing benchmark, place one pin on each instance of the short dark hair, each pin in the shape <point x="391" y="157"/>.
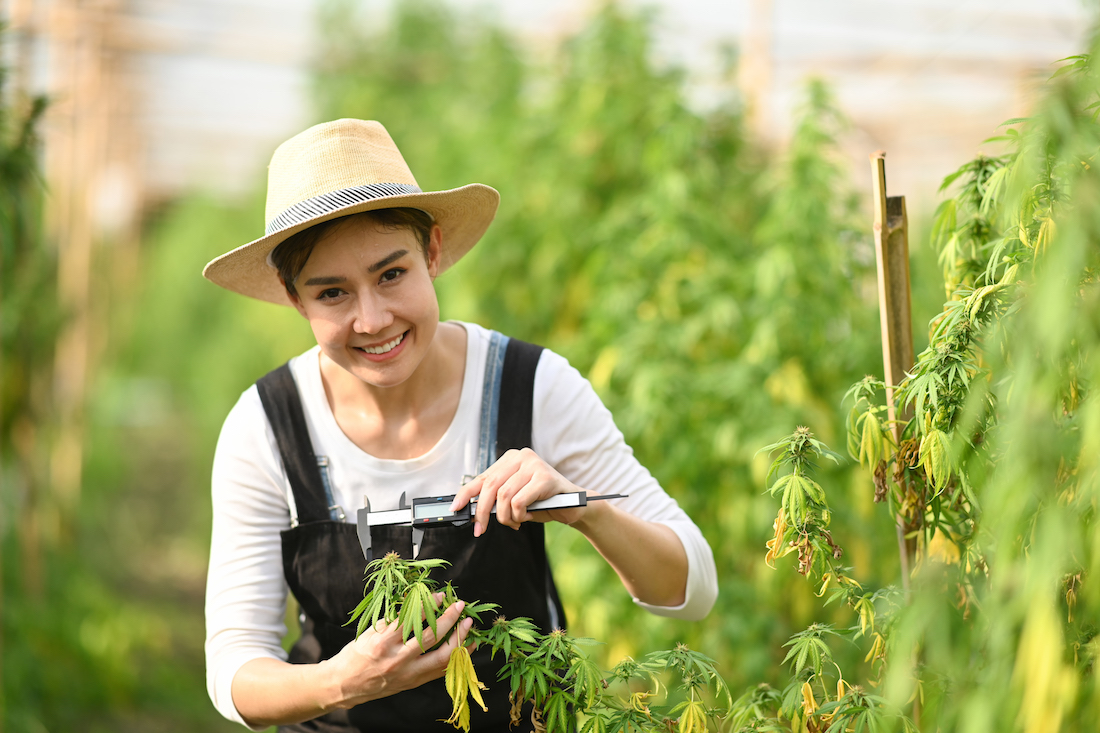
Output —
<point x="291" y="255"/>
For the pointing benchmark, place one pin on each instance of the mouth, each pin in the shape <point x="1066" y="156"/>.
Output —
<point x="384" y="348"/>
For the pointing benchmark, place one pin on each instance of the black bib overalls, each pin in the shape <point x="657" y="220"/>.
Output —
<point x="323" y="561"/>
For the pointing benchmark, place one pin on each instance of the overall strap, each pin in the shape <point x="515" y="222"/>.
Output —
<point x="515" y="385"/>
<point x="279" y="395"/>
<point x="490" y="401"/>
<point x="517" y="392"/>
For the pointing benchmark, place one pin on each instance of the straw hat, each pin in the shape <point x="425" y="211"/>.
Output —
<point x="336" y="169"/>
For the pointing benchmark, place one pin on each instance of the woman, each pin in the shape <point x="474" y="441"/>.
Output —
<point x="393" y="403"/>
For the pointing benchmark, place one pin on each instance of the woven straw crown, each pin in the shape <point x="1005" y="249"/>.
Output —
<point x="337" y="169"/>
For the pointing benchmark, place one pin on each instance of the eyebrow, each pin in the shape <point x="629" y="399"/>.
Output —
<point x="324" y="281"/>
<point x="388" y="260"/>
<point x="336" y="280"/>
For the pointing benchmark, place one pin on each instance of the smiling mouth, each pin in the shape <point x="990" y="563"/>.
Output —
<point x="384" y="348"/>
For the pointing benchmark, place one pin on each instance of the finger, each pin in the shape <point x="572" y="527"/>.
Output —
<point x="543" y="483"/>
<point x="443" y="626"/>
<point x="382" y="626"/>
<point x="463" y="631"/>
<point x="503" y="474"/>
<point x="491" y="480"/>
<point x="457" y="639"/>
<point x="513" y="498"/>
<point x="437" y="599"/>
<point x="433" y="664"/>
<point x="467" y="492"/>
<point x="485" y="502"/>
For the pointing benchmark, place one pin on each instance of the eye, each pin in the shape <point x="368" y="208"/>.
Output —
<point x="330" y="294"/>
<point x="391" y="274"/>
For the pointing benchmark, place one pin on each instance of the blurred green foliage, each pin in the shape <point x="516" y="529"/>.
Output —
<point x="715" y="294"/>
<point x="1007" y="633"/>
<point x="994" y="472"/>
<point x="85" y="643"/>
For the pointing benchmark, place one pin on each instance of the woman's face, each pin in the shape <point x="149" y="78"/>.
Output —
<point x="368" y="296"/>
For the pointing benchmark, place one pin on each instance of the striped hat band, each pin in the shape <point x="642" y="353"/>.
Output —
<point x="332" y="201"/>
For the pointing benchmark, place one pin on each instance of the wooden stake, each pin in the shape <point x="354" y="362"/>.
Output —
<point x="755" y="68"/>
<point x="891" y="234"/>
<point x="87" y="135"/>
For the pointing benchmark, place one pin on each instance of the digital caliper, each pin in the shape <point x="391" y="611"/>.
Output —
<point x="435" y="511"/>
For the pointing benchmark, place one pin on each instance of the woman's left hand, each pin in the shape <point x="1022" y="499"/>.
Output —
<point x="517" y="480"/>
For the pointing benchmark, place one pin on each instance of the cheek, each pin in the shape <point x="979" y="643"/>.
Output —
<point x="431" y="295"/>
<point x="423" y="301"/>
<point x="325" y="330"/>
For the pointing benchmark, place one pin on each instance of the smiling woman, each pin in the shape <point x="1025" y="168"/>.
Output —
<point x="393" y="403"/>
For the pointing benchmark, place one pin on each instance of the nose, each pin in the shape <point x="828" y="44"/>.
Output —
<point x="372" y="314"/>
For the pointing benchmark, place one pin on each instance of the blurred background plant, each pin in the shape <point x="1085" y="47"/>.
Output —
<point x="993" y="470"/>
<point x="715" y="291"/>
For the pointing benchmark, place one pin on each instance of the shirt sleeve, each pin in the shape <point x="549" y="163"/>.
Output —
<point x="246" y="592"/>
<point x="574" y="432"/>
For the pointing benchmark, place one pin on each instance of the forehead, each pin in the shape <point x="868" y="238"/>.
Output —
<point x="359" y="241"/>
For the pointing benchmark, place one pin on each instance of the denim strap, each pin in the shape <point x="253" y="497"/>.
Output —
<point x="335" y="511"/>
<point x="490" y="401"/>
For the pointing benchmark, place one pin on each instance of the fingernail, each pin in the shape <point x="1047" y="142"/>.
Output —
<point x="477" y="529"/>
<point x="460" y="605"/>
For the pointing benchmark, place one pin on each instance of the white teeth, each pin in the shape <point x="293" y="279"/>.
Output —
<point x="384" y="347"/>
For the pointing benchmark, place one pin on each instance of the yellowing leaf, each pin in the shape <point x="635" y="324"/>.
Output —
<point x="878" y="648"/>
<point x="935" y="457"/>
<point x="693" y="718"/>
<point x="1046" y="235"/>
<point x="776" y="548"/>
<point x="809" y="702"/>
<point x="461" y="680"/>
<point x="942" y="549"/>
<point x="872" y="444"/>
<point x="1046" y="684"/>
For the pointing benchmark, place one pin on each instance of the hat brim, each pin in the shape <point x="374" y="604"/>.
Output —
<point x="463" y="214"/>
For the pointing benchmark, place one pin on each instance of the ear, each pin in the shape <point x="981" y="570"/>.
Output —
<point x="435" y="251"/>
<point x="295" y="300"/>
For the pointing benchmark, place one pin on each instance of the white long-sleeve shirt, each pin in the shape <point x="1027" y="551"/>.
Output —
<point x="246" y="591"/>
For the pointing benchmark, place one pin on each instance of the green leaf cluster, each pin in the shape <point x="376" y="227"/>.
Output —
<point x="402" y="590"/>
<point x="550" y="672"/>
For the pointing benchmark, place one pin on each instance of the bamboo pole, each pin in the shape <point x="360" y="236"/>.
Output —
<point x="756" y="67"/>
<point x="88" y="135"/>
<point x="78" y="84"/>
<point x="891" y="235"/>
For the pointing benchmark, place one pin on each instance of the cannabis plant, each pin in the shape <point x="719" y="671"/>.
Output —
<point x="550" y="672"/>
<point x="994" y="474"/>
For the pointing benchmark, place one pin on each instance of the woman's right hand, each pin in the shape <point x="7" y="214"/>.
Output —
<point x="379" y="663"/>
